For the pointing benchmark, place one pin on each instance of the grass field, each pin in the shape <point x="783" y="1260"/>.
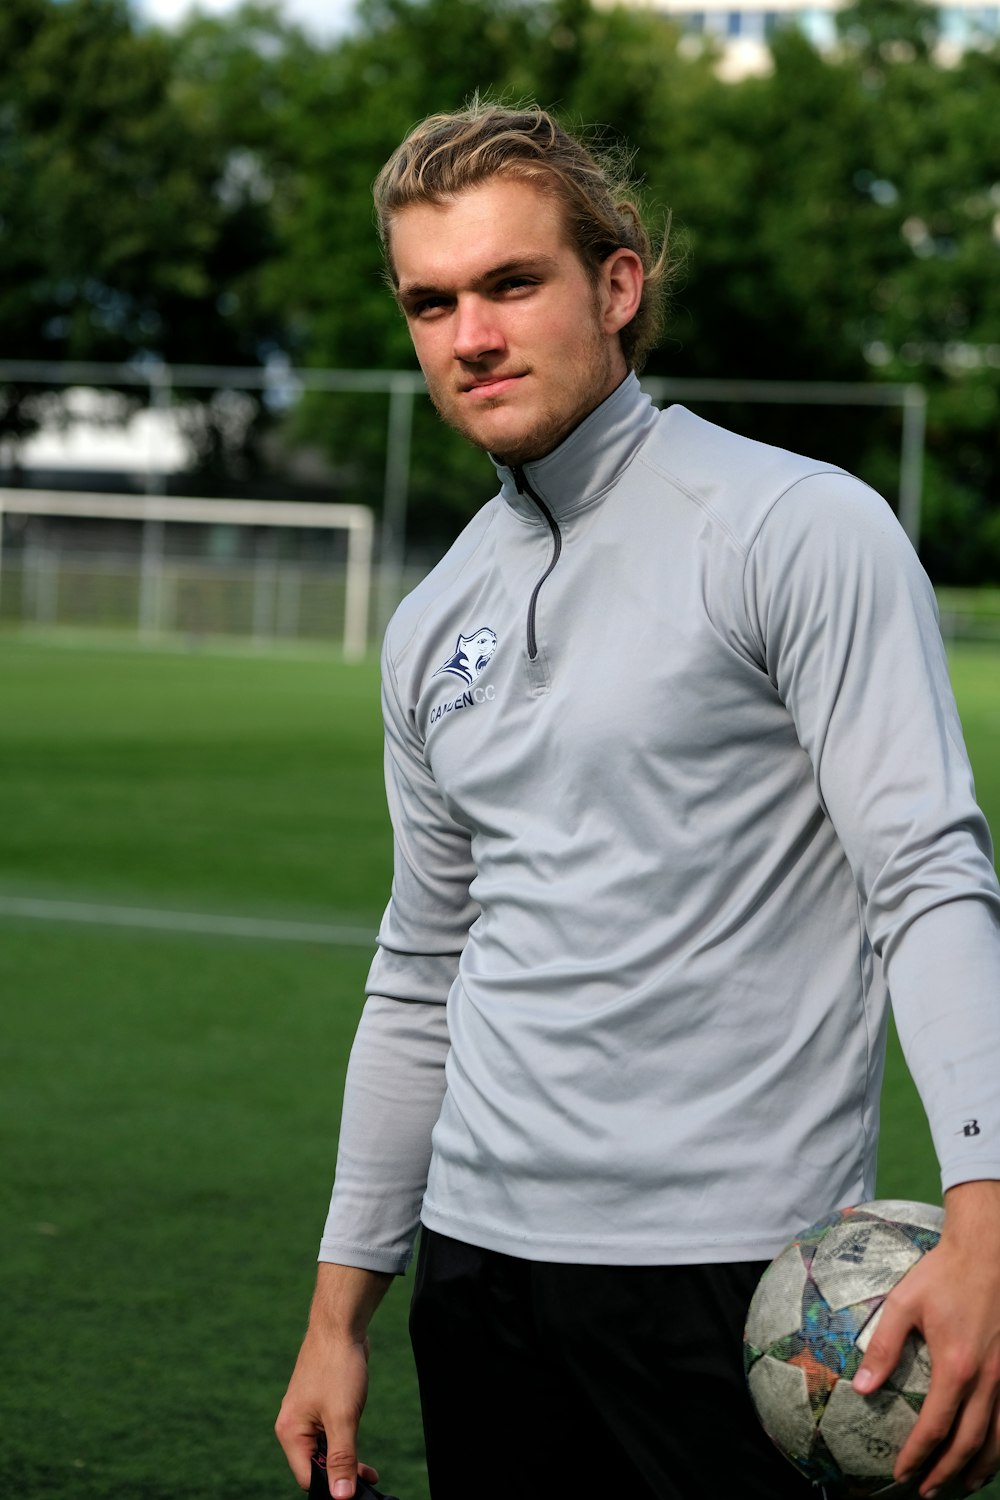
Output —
<point x="170" y="1101"/>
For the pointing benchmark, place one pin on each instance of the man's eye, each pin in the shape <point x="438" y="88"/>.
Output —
<point x="515" y="284"/>
<point x="425" y="306"/>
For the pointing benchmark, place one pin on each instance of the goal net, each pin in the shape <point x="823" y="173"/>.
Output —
<point x="165" y="566"/>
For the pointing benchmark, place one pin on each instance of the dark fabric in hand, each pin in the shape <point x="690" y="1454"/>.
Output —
<point x="319" y="1488"/>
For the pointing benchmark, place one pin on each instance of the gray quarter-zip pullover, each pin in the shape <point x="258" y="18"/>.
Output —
<point x="678" y="788"/>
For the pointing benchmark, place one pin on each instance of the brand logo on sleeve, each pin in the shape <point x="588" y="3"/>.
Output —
<point x="471" y="655"/>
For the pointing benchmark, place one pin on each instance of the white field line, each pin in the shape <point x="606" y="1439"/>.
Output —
<point x="153" y="919"/>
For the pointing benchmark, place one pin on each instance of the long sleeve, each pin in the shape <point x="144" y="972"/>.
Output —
<point x="847" y="624"/>
<point x="396" y="1076"/>
<point x="392" y="1096"/>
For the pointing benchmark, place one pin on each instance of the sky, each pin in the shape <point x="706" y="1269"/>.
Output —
<point x="321" y="18"/>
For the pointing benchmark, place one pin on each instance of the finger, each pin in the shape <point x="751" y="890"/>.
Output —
<point x="365" y="1471"/>
<point x="987" y="1463"/>
<point x="299" y="1444"/>
<point x="984" y="1469"/>
<point x="958" y="1430"/>
<point x="341" y="1464"/>
<point x="973" y="1450"/>
<point x="891" y="1328"/>
<point x="929" y="1435"/>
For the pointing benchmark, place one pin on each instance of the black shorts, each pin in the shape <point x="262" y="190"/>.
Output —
<point x="539" y="1379"/>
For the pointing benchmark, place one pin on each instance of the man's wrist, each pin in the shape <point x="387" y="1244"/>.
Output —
<point x="972" y="1207"/>
<point x="346" y="1298"/>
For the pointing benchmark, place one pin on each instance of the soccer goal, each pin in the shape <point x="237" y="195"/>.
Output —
<point x="236" y="578"/>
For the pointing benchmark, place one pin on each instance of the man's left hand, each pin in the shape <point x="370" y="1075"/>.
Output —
<point x="952" y="1297"/>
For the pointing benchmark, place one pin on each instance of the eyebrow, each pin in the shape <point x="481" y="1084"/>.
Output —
<point x="519" y="265"/>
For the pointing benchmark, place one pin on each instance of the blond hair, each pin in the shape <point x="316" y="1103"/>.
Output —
<point x="449" y="153"/>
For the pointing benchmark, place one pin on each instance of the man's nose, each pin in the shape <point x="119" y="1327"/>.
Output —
<point x="476" y="330"/>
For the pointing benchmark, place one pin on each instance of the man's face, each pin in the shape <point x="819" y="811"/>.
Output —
<point x="515" y="340"/>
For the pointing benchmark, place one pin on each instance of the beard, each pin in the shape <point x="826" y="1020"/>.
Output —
<point x="545" y="420"/>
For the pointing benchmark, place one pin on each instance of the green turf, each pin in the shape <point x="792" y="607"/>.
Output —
<point x="169" y="1104"/>
<point x="192" y="779"/>
<point x="169" y="1118"/>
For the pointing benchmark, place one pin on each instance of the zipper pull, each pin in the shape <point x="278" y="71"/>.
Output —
<point x="524" y="488"/>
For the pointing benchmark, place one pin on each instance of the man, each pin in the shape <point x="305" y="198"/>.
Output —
<point x="678" y="789"/>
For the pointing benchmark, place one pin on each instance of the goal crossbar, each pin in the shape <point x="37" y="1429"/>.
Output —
<point x="356" y="520"/>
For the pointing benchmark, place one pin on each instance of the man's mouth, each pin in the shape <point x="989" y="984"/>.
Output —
<point x="491" y="385"/>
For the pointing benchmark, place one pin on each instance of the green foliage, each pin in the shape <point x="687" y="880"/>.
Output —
<point x="776" y="229"/>
<point x="116" y="232"/>
<point x="205" y="195"/>
<point x="130" y="223"/>
<point x="880" y="31"/>
<point x="797" y="199"/>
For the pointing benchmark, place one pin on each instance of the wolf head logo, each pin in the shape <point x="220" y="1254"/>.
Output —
<point x="471" y="654"/>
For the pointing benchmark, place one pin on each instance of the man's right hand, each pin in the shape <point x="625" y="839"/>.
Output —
<point x="329" y="1384"/>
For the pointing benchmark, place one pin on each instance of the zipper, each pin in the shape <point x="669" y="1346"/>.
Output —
<point x="524" y="488"/>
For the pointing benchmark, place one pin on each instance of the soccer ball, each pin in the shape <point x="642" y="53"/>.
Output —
<point x="810" y="1322"/>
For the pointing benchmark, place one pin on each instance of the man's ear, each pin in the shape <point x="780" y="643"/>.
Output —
<point x="621" y="288"/>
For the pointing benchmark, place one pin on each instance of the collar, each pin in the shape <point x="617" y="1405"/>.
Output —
<point x="589" y="461"/>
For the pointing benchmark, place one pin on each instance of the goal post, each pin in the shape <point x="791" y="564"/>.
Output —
<point x="154" y="510"/>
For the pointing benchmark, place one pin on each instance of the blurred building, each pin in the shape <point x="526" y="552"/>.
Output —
<point x="93" y="439"/>
<point x="743" y="28"/>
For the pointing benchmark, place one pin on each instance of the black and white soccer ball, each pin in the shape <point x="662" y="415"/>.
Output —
<point x="810" y="1322"/>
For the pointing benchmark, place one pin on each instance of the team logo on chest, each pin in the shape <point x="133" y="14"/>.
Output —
<point x="471" y="655"/>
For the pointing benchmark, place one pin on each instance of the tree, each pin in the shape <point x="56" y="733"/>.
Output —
<point x="205" y="196"/>
<point x="933" y="310"/>
<point x="123" y="224"/>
